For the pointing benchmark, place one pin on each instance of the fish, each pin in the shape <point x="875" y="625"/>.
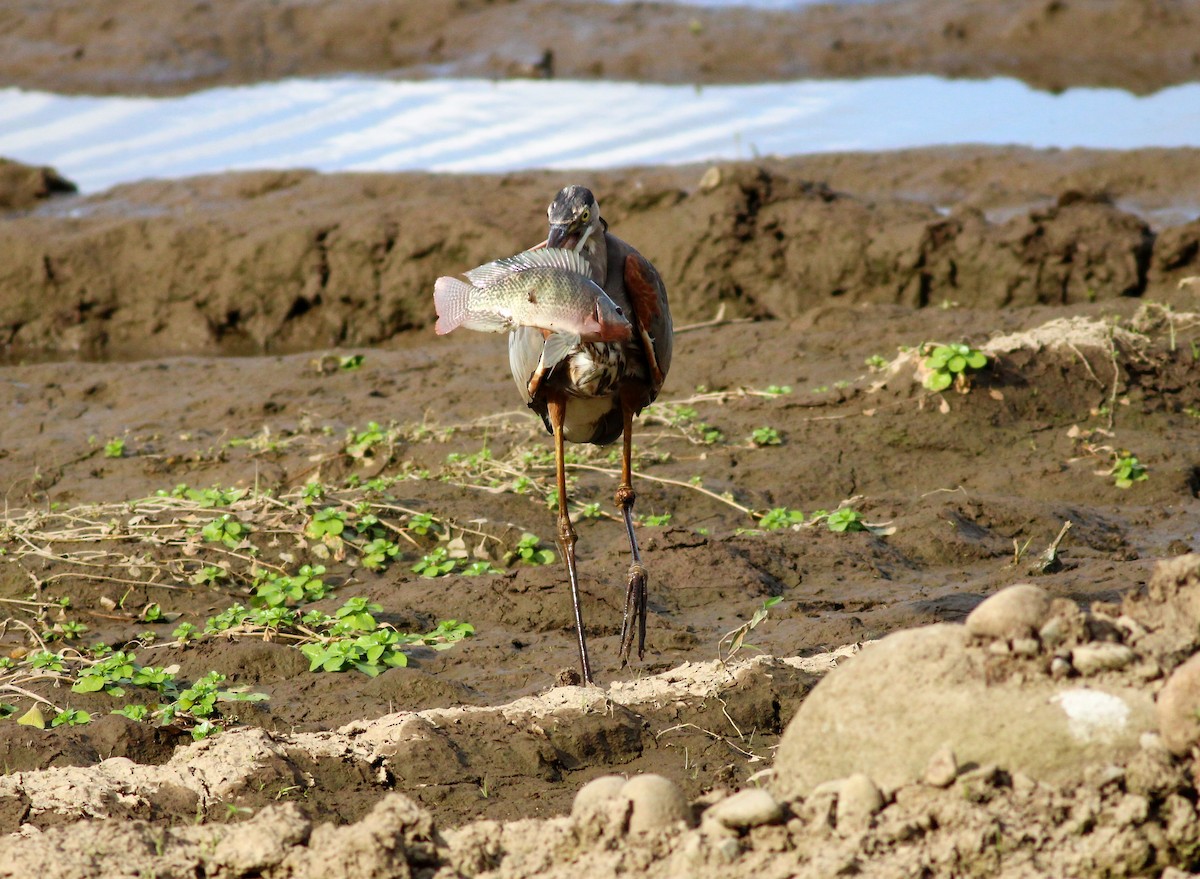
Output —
<point x="549" y="289"/>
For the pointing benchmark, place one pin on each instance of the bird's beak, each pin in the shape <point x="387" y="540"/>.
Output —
<point x="558" y="235"/>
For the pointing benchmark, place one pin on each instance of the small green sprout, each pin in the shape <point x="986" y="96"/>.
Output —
<point x="845" y="519"/>
<point x="328" y="522"/>
<point x="133" y="712"/>
<point x="476" y="569"/>
<point x="351" y="362"/>
<point x="949" y="364"/>
<point x="657" y="521"/>
<point x="435" y="564"/>
<point x="376" y="553"/>
<point x="736" y="639"/>
<point x="876" y="362"/>
<point x="765" y="436"/>
<point x="1127" y="470"/>
<point x="780" y="518"/>
<point x="184" y="632"/>
<point x="225" y="529"/>
<point x="527" y="551"/>
<point x="114" y="448"/>
<point x="71" y="717"/>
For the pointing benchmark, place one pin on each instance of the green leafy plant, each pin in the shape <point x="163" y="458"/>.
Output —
<point x="765" y="436"/>
<point x="656" y="521"/>
<point x="435" y="564"/>
<point x="376" y="553"/>
<point x="225" y="529"/>
<point x="305" y="586"/>
<point x="328" y="522"/>
<point x="950" y="363"/>
<point x="779" y="518"/>
<point x="207" y="497"/>
<point x="476" y="569"/>
<point x="528" y="550"/>
<point x="351" y="362"/>
<point x="845" y="519"/>
<point x="114" y="448"/>
<point x="71" y="717"/>
<point x="1127" y="470"/>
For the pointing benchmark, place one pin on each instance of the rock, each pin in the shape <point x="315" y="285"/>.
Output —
<point x="596" y="791"/>
<point x="908" y="695"/>
<point x="1090" y="659"/>
<point x="1016" y="612"/>
<point x="942" y="768"/>
<point x="657" y="803"/>
<point x="22" y="186"/>
<point x="745" y="809"/>
<point x="858" y="800"/>
<point x="1178" y="704"/>
<point x="1169" y="608"/>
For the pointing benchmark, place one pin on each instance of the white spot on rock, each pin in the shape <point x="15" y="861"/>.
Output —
<point x="1092" y="715"/>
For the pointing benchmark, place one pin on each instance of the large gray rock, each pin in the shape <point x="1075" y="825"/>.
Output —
<point x="887" y="712"/>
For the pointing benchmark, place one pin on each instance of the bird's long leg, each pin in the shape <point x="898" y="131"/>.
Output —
<point x="635" y="583"/>
<point x="556" y="405"/>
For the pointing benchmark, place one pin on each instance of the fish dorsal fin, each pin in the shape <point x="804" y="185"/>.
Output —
<point x="547" y="257"/>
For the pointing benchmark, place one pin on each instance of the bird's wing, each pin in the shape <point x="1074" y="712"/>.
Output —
<point x="648" y="297"/>
<point x="525" y="346"/>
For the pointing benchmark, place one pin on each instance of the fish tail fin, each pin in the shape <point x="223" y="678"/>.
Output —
<point x="451" y="298"/>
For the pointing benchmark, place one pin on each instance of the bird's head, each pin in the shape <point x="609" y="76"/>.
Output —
<point x="574" y="218"/>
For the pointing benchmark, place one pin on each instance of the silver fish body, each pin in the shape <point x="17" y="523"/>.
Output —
<point x="549" y="289"/>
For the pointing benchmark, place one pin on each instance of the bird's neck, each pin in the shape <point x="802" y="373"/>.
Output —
<point x="595" y="251"/>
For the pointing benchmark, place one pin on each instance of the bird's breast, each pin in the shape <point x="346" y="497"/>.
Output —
<point x="595" y="369"/>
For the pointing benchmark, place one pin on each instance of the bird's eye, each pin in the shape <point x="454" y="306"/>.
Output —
<point x="586" y="215"/>
<point x="620" y="311"/>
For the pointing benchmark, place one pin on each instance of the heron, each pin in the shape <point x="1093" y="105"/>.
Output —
<point x="593" y="393"/>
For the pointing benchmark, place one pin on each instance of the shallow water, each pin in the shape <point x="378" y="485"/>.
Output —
<point x="360" y="124"/>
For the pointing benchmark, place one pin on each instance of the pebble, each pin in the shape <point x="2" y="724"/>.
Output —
<point x="858" y="800"/>
<point x="1178" y="704"/>
<point x="598" y="790"/>
<point x="942" y="768"/>
<point x="1090" y="659"/>
<point x="1026" y="646"/>
<point x="1016" y="612"/>
<point x="745" y="809"/>
<point x="657" y="803"/>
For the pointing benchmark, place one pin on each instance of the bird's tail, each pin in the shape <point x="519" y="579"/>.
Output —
<point x="451" y="298"/>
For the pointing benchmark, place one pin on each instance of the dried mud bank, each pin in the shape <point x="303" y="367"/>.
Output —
<point x="116" y="46"/>
<point x="295" y="260"/>
<point x="970" y="797"/>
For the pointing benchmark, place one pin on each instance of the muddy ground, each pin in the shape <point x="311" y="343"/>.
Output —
<point x="212" y="383"/>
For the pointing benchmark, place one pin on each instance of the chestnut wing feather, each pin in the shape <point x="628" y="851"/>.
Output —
<point x="648" y="297"/>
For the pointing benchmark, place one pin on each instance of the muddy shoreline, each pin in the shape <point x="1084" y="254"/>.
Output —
<point x="118" y="47"/>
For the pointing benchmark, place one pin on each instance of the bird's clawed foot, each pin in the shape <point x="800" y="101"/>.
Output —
<point x="635" y="607"/>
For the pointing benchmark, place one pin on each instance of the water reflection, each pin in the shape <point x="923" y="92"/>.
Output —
<point x="361" y="124"/>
